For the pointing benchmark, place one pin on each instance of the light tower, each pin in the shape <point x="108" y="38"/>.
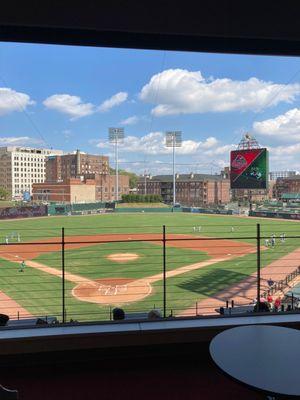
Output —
<point x="115" y="136"/>
<point x="174" y="139"/>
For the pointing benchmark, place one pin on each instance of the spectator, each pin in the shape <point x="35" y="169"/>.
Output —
<point x="118" y="314"/>
<point x="277" y="303"/>
<point x="154" y="314"/>
<point x="270" y="282"/>
<point x="269" y="299"/>
<point x="263" y="307"/>
<point x="3" y="319"/>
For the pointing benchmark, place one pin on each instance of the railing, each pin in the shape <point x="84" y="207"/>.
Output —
<point x="83" y="273"/>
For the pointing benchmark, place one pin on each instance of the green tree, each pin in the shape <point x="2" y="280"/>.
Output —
<point x="133" y="178"/>
<point x="3" y="193"/>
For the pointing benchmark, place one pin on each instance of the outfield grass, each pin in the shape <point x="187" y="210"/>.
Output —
<point x="212" y="225"/>
<point x="91" y="262"/>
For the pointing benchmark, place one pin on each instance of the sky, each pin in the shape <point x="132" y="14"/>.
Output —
<point x="66" y="97"/>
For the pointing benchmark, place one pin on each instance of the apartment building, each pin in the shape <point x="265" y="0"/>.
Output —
<point x="61" y="168"/>
<point x="191" y="189"/>
<point x="286" y="185"/>
<point x="86" y="167"/>
<point x="20" y="167"/>
<point x="106" y="186"/>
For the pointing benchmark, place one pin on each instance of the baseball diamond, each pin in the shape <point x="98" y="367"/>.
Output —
<point x="118" y="260"/>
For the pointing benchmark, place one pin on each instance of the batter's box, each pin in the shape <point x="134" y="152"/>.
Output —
<point x="112" y="290"/>
<point x="103" y="289"/>
<point x="121" y="289"/>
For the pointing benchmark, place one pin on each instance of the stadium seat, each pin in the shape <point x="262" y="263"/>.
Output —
<point x="3" y="319"/>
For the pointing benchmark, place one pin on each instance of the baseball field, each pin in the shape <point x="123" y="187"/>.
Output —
<point x="117" y="260"/>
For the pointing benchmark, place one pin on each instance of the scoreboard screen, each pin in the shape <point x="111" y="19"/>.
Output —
<point x="249" y="169"/>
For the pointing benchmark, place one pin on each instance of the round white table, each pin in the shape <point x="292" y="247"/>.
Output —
<point x="262" y="356"/>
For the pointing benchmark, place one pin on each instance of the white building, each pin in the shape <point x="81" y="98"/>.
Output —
<point x="281" y="174"/>
<point x="20" y="167"/>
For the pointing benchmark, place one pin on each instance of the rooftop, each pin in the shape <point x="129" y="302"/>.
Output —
<point x="186" y="177"/>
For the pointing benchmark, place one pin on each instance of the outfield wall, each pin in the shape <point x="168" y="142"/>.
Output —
<point x="206" y="211"/>
<point x="65" y="209"/>
<point x="147" y="209"/>
<point x="23" y="212"/>
<point x="274" y="214"/>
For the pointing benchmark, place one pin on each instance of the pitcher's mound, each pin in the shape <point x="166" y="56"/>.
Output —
<point x="123" y="257"/>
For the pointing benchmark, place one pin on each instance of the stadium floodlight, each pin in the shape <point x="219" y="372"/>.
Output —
<point x="174" y="139"/>
<point x="115" y="136"/>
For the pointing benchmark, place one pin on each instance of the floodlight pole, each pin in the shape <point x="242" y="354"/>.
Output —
<point x="117" y="169"/>
<point x="174" y="177"/>
<point x="116" y="134"/>
<point x="173" y="139"/>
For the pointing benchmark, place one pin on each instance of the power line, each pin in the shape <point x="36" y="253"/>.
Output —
<point x="23" y="109"/>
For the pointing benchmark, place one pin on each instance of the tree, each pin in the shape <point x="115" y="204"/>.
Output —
<point x="133" y="178"/>
<point x="3" y="193"/>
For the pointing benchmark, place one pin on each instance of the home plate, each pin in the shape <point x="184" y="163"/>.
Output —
<point x="229" y="254"/>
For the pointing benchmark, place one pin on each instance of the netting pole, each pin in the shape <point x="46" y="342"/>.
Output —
<point x="63" y="273"/>
<point x="164" y="272"/>
<point x="258" y="264"/>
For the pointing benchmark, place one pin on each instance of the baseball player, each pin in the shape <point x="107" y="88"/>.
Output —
<point x="232" y="229"/>
<point x="6" y="240"/>
<point x="273" y="240"/>
<point x="199" y="228"/>
<point x="22" y="266"/>
<point x="267" y="242"/>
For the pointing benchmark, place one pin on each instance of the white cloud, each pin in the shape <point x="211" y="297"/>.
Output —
<point x="70" y="105"/>
<point x="220" y="150"/>
<point x="10" y="101"/>
<point x="130" y="120"/>
<point x="113" y="101"/>
<point x="154" y="143"/>
<point x="178" y="91"/>
<point x="285" y="126"/>
<point x="282" y="151"/>
<point x="19" y="141"/>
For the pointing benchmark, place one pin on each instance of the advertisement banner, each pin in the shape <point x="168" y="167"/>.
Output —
<point x="249" y="169"/>
<point x="23" y="212"/>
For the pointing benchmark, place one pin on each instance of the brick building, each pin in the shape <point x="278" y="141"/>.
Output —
<point x="61" y="168"/>
<point x="73" y="190"/>
<point x="256" y="195"/>
<point x="86" y="167"/>
<point x="286" y="185"/>
<point x="106" y="186"/>
<point x="191" y="189"/>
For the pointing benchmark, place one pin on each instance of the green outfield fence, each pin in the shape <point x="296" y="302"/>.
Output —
<point x="65" y="209"/>
<point x="275" y="214"/>
<point x="147" y="209"/>
<point x="80" y="274"/>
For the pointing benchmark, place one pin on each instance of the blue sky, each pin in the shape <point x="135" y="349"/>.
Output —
<point x="66" y="97"/>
